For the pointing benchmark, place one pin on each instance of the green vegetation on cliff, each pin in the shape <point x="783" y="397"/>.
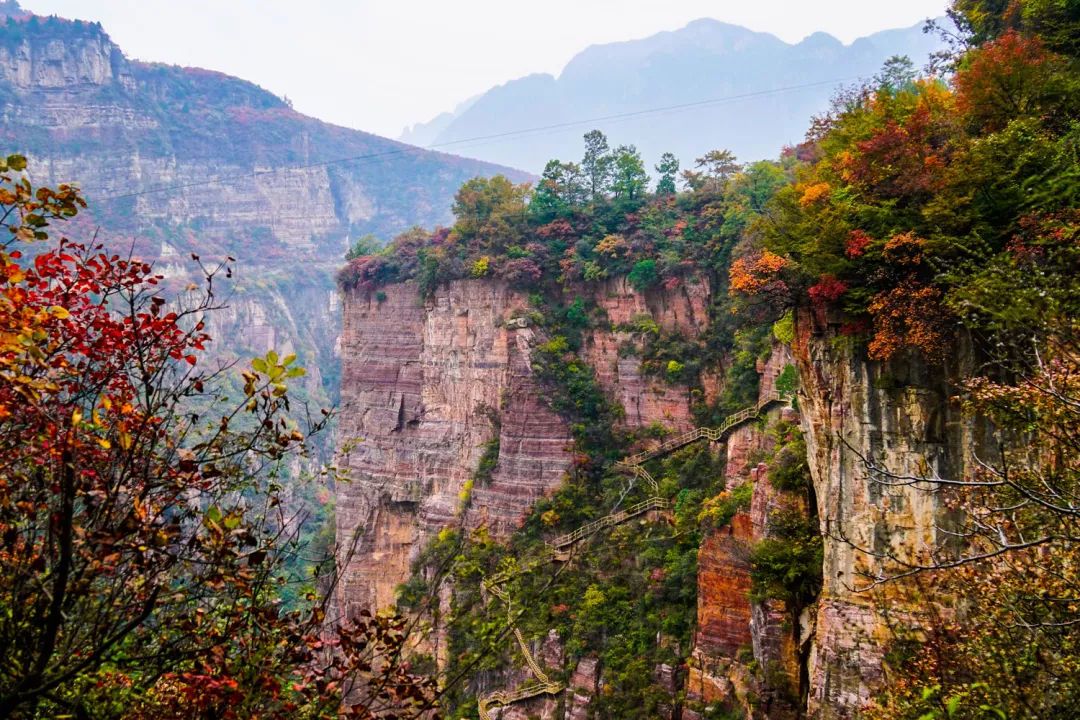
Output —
<point x="925" y="218"/>
<point x="935" y="220"/>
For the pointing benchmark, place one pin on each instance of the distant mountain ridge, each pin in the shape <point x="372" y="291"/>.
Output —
<point x="706" y="60"/>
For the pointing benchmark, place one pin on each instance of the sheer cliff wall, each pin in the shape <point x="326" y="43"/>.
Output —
<point x="428" y="384"/>
<point x="868" y="424"/>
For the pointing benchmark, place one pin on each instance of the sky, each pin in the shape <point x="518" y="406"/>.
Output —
<point x="379" y="65"/>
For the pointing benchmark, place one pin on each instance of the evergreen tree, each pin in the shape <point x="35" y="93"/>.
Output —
<point x="561" y="190"/>
<point x="897" y="73"/>
<point x="668" y="170"/>
<point x="713" y="170"/>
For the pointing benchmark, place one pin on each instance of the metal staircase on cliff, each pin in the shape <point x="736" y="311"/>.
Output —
<point x="558" y="549"/>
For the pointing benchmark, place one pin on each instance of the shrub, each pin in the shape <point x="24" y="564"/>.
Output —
<point x="789" y="470"/>
<point x="784" y="328"/>
<point x="481" y="267"/>
<point x="643" y="275"/>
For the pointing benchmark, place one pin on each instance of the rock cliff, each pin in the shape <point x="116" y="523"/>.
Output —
<point x="428" y="385"/>
<point x="431" y="385"/>
<point x="175" y="161"/>
<point x="895" y="415"/>
<point x="425" y="387"/>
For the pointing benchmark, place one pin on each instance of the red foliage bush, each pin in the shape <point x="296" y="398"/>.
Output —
<point x="857" y="243"/>
<point x="827" y="290"/>
<point x="521" y="270"/>
<point x="1002" y="79"/>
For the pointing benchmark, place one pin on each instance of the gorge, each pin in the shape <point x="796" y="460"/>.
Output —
<point x="793" y="438"/>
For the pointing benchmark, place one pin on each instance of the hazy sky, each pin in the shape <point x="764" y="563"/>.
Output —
<point x="379" y="65"/>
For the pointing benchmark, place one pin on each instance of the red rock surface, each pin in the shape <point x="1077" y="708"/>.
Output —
<point x="646" y="399"/>
<point x="420" y="383"/>
<point x="723" y="590"/>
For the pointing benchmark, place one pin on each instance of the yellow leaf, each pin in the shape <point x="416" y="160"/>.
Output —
<point x="104" y="443"/>
<point x="60" y="312"/>
<point x="76" y="417"/>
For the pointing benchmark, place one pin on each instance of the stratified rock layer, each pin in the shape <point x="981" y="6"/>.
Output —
<point x="646" y="399"/>
<point x="425" y="387"/>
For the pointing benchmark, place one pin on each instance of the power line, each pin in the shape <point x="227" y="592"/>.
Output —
<point x="479" y="140"/>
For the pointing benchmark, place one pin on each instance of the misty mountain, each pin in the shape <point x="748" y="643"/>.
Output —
<point x="176" y="161"/>
<point x="198" y="160"/>
<point x="765" y="91"/>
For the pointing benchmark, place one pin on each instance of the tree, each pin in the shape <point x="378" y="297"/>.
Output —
<point x="629" y="181"/>
<point x="364" y="246"/>
<point x="1056" y="21"/>
<point x="714" y="169"/>
<point x="897" y="73"/>
<point x="140" y="545"/>
<point x="643" y="275"/>
<point x="668" y="169"/>
<point x="561" y="190"/>
<point x="596" y="164"/>
<point x="491" y="213"/>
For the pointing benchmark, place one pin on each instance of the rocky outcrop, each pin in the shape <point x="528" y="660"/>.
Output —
<point x="583" y="686"/>
<point x="897" y="415"/>
<point x="717" y="673"/>
<point x="175" y="161"/>
<point x="732" y="630"/>
<point x="646" y="399"/>
<point x="426" y="386"/>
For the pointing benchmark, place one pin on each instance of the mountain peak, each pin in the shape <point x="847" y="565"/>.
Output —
<point x="729" y="87"/>
<point x="819" y="40"/>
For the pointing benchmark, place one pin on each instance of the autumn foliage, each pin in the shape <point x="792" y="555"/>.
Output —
<point x="934" y="221"/>
<point x="140" y="548"/>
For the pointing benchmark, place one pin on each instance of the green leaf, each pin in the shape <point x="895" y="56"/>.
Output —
<point x="272" y="358"/>
<point x="952" y="705"/>
<point x="296" y="372"/>
<point x="16" y="162"/>
<point x="289" y="359"/>
<point x="259" y="365"/>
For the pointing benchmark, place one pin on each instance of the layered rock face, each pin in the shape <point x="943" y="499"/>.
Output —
<point x="731" y="629"/>
<point x="175" y="161"/>
<point x="898" y="416"/>
<point x="425" y="387"/>
<point x="429" y="385"/>
<point x="204" y="161"/>
<point x="645" y="399"/>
